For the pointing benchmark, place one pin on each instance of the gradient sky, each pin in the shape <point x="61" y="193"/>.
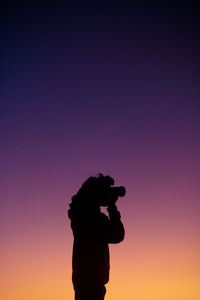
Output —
<point x="100" y="88"/>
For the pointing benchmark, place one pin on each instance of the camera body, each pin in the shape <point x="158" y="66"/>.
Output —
<point x="112" y="194"/>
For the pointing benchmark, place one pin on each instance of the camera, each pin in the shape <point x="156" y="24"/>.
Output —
<point x="118" y="191"/>
<point x="112" y="194"/>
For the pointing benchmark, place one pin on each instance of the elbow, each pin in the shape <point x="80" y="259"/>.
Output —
<point x="121" y="237"/>
<point x="117" y="238"/>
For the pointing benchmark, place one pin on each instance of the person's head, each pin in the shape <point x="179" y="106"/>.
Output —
<point x="97" y="191"/>
<point x="94" y="191"/>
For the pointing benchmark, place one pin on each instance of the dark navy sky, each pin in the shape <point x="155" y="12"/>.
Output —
<point x="98" y="78"/>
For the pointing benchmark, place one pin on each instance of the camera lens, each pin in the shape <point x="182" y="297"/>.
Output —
<point x="121" y="191"/>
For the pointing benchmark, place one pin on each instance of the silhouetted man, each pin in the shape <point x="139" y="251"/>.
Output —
<point x="93" y="231"/>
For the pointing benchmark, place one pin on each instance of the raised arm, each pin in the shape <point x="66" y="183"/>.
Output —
<point x="116" y="230"/>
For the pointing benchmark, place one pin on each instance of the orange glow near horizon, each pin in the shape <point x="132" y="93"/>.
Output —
<point x="158" y="268"/>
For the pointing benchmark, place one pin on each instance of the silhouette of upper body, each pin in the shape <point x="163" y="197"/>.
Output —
<point x="93" y="231"/>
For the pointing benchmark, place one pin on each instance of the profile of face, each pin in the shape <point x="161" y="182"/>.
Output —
<point x="106" y="197"/>
<point x="100" y="198"/>
<point x="103" y="201"/>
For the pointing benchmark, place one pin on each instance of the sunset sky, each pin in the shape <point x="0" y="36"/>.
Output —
<point x="100" y="87"/>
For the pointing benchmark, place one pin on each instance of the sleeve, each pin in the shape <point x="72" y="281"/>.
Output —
<point x="116" y="230"/>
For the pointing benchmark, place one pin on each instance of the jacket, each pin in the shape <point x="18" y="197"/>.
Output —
<point x="93" y="231"/>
